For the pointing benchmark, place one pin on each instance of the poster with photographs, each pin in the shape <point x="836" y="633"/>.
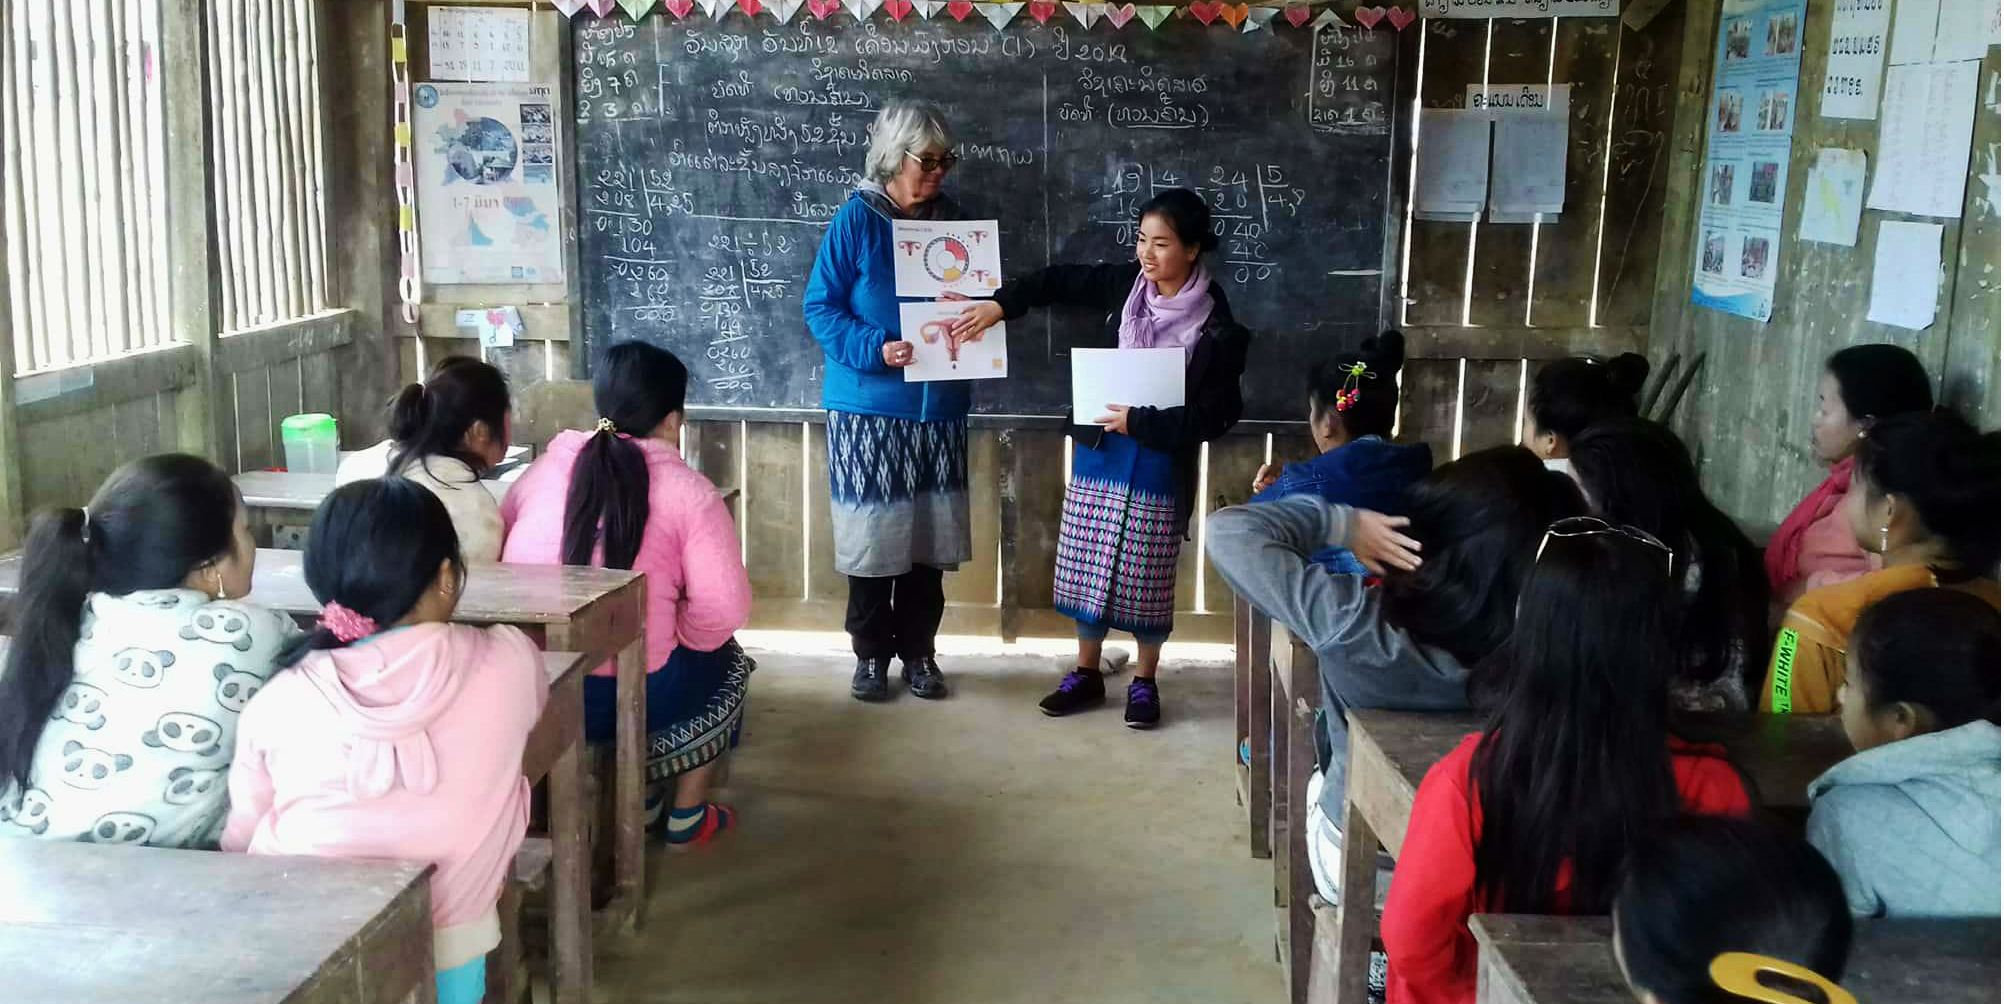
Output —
<point x="488" y="203"/>
<point x="1746" y="153"/>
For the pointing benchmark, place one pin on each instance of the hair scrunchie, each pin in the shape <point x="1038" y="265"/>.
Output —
<point x="605" y="425"/>
<point x="344" y="624"/>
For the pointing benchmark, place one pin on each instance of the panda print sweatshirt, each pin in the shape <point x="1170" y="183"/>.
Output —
<point x="138" y="747"/>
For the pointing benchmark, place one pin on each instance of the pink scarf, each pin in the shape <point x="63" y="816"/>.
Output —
<point x="1784" y="550"/>
<point x="1153" y="321"/>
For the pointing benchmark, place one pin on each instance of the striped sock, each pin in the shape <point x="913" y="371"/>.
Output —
<point x="698" y="824"/>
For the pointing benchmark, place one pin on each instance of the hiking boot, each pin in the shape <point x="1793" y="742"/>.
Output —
<point x="1081" y="689"/>
<point x="872" y="681"/>
<point x="924" y="677"/>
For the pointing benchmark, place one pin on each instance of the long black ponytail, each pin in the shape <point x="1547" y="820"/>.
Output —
<point x="375" y="547"/>
<point x="151" y="523"/>
<point x="431" y="419"/>
<point x="636" y="388"/>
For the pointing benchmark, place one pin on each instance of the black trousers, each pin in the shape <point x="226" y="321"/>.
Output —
<point x="896" y="616"/>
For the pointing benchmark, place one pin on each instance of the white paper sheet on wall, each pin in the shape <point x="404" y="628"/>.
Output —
<point x="1453" y="178"/>
<point x="1859" y="30"/>
<point x="1833" y="197"/>
<point x="1924" y="132"/>
<point x="1913" y="31"/>
<point x="1964" y="29"/>
<point x="1906" y="274"/>
<point x="478" y="43"/>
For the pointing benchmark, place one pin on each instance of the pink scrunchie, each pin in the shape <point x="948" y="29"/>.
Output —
<point x="344" y="624"/>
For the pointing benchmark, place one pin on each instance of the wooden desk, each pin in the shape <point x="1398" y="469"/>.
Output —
<point x="1295" y="694"/>
<point x="596" y="611"/>
<point x="1568" y="960"/>
<point x="276" y="499"/>
<point x="1391" y="751"/>
<point x="556" y="751"/>
<point x="125" y="925"/>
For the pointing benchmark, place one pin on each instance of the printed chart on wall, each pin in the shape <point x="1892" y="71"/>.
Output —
<point x="487" y="183"/>
<point x="1748" y="131"/>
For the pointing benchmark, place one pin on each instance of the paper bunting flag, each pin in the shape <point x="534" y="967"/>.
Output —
<point x="862" y="9"/>
<point x="1325" y="19"/>
<point x="1086" y="14"/>
<point x="1204" y="11"/>
<point x="1042" y="10"/>
<point x="1259" y="17"/>
<point x="1234" y="14"/>
<point x="751" y="8"/>
<point x="716" y="9"/>
<point x="636" y="9"/>
<point x="897" y="9"/>
<point x="1399" y="17"/>
<point x="1299" y="14"/>
<point x="959" y="9"/>
<point x="822" y="8"/>
<point x="999" y="14"/>
<point x="928" y="9"/>
<point x="1368" y="17"/>
<point x="1120" y="15"/>
<point x="783" y="10"/>
<point x="1154" y="16"/>
<point x="569" y="8"/>
<point x="601" y="8"/>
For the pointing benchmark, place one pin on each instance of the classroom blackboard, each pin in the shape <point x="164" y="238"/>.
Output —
<point x="711" y="156"/>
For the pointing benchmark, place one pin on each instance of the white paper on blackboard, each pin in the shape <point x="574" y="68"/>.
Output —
<point x="1833" y="197"/>
<point x="1133" y="377"/>
<point x="1924" y="133"/>
<point x="1906" y="274"/>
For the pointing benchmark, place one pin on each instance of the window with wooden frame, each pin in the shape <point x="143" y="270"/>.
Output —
<point x="268" y="173"/>
<point x="84" y="182"/>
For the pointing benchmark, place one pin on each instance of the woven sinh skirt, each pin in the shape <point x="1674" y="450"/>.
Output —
<point x="898" y="494"/>
<point x="1118" y="539"/>
<point x="695" y="704"/>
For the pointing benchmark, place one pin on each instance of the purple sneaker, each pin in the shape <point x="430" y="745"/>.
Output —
<point x="1081" y="689"/>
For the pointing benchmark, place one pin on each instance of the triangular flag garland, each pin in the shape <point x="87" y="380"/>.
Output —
<point x="1243" y="17"/>
<point x="1086" y="14"/>
<point x="999" y="14"/>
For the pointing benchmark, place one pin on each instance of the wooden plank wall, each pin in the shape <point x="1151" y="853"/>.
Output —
<point x="1748" y="414"/>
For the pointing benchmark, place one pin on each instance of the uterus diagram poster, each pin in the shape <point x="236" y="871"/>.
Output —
<point x="934" y="258"/>
<point x="487" y="193"/>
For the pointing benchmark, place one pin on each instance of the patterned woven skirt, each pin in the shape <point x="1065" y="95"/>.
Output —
<point x="695" y="705"/>
<point x="1118" y="539"/>
<point x="898" y="494"/>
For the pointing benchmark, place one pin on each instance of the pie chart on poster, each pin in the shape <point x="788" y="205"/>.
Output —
<point x="946" y="259"/>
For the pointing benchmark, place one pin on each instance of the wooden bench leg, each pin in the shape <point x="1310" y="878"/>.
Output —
<point x="1283" y="813"/>
<point x="1259" y="737"/>
<point x="1356" y="913"/>
<point x="1301" y="879"/>
<point x="570" y="882"/>
<point x="505" y="984"/>
<point x="1241" y="682"/>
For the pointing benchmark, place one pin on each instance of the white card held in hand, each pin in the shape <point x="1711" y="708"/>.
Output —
<point x="1133" y="377"/>
<point x="934" y="355"/>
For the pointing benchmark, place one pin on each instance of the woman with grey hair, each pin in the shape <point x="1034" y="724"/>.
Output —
<point x="897" y="451"/>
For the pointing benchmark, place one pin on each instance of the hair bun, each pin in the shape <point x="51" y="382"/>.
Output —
<point x="408" y="412"/>
<point x="1386" y="352"/>
<point x="1627" y="373"/>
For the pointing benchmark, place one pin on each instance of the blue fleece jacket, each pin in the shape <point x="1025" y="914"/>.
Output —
<point x="1366" y="473"/>
<point x="851" y="306"/>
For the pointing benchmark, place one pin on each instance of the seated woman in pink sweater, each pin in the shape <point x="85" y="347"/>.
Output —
<point x="621" y="497"/>
<point x="395" y="734"/>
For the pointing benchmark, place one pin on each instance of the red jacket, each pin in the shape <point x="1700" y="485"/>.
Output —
<point x="1425" y="929"/>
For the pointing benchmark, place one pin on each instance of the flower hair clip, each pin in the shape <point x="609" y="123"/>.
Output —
<point x="605" y="425"/>
<point x="1347" y="397"/>
<point x="344" y="624"/>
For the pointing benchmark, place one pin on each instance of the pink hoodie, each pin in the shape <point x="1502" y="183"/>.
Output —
<point x="407" y="746"/>
<point x="698" y="595"/>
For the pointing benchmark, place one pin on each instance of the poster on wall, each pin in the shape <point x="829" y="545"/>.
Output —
<point x="487" y="183"/>
<point x="1858" y="32"/>
<point x="1748" y="130"/>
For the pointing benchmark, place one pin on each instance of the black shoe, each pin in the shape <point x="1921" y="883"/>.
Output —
<point x="1144" y="703"/>
<point x="924" y="677"/>
<point x="872" y="680"/>
<point x="1081" y="689"/>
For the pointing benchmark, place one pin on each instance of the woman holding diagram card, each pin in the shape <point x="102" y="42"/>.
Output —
<point x="1134" y="470"/>
<point x="897" y="450"/>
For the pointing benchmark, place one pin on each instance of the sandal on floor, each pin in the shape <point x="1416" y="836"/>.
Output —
<point x="716" y="819"/>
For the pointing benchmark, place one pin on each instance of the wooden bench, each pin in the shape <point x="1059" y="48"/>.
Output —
<point x="1391" y="751"/>
<point x="555" y="751"/>
<point x="123" y="925"/>
<point x="1568" y="960"/>
<point x="595" y="611"/>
